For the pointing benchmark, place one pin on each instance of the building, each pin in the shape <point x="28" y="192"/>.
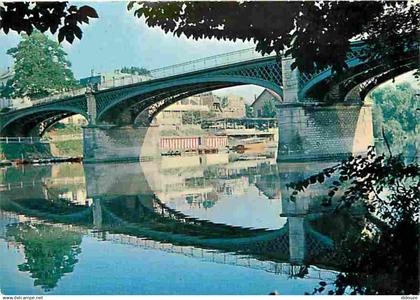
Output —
<point x="5" y="103"/>
<point x="5" y="76"/>
<point x="18" y="103"/>
<point x="173" y="114"/>
<point x="203" y="106"/>
<point x="112" y="78"/>
<point x="234" y="108"/>
<point x="74" y="120"/>
<point x="208" y="99"/>
<point x="265" y="97"/>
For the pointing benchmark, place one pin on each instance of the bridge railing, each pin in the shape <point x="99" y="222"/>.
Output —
<point x="191" y="66"/>
<point x="63" y="95"/>
<point x="206" y="63"/>
<point x="207" y="255"/>
<point x="22" y="140"/>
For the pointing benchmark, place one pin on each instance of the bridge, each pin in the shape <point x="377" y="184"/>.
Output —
<point x="124" y="204"/>
<point x="116" y="218"/>
<point x="321" y="114"/>
<point x="208" y="255"/>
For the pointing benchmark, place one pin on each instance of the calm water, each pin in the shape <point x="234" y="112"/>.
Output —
<point x="190" y="225"/>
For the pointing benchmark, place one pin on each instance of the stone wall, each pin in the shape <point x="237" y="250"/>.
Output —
<point x="290" y="80"/>
<point x="106" y="143"/>
<point x="316" y="132"/>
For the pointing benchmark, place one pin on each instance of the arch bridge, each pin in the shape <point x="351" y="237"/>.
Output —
<point x="321" y="114"/>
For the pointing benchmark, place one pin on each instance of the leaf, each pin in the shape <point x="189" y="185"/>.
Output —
<point x="88" y="11"/>
<point x="70" y="37"/>
<point x="78" y="32"/>
<point x="61" y="34"/>
<point x="130" y="5"/>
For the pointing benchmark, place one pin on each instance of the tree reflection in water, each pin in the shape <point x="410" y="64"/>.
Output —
<point x="50" y="252"/>
<point x="383" y="257"/>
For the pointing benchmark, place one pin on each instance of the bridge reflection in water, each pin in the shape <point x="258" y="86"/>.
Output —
<point x="162" y="206"/>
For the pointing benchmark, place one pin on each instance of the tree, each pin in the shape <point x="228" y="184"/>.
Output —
<point x="395" y="108"/>
<point x="135" y="71"/>
<point x="50" y="252"/>
<point x="7" y="90"/>
<point x="383" y="258"/>
<point x="43" y="16"/>
<point x="269" y="109"/>
<point x="224" y="102"/>
<point x="41" y="67"/>
<point x="317" y="34"/>
<point x="249" y="111"/>
<point x="191" y="117"/>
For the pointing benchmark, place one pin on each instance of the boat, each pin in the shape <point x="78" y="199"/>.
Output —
<point x="254" y="144"/>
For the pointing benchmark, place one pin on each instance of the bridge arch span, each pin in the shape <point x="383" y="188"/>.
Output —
<point x="363" y="87"/>
<point x="326" y="84"/>
<point x="194" y="85"/>
<point x="28" y="120"/>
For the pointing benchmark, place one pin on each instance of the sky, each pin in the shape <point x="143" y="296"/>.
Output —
<point x="118" y="38"/>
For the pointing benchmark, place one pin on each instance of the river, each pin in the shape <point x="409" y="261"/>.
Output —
<point x="179" y="225"/>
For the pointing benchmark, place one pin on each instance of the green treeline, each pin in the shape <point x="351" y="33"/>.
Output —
<point x="396" y="111"/>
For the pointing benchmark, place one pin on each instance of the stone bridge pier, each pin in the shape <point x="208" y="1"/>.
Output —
<point x="315" y="131"/>
<point x="112" y="143"/>
<point x="105" y="143"/>
<point x="310" y="132"/>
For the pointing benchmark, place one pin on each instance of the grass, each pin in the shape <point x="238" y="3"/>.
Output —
<point x="17" y="151"/>
<point x="183" y="132"/>
<point x="61" y="129"/>
<point x="70" y="148"/>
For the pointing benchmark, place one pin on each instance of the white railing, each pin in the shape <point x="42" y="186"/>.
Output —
<point x="191" y="66"/>
<point x="40" y="182"/>
<point x="22" y="140"/>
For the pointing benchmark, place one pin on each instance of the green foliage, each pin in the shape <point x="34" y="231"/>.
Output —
<point x="70" y="148"/>
<point x="191" y="117"/>
<point x="396" y="112"/>
<point x="65" y="129"/>
<point x="383" y="258"/>
<point x="30" y="16"/>
<point x="50" y="252"/>
<point x="224" y="102"/>
<point x="7" y="90"/>
<point x="249" y="111"/>
<point x="268" y="109"/>
<point x="135" y="71"/>
<point x="183" y="131"/>
<point x="41" y="67"/>
<point x="5" y="109"/>
<point x="19" y="151"/>
<point x="317" y="34"/>
<point x="205" y="115"/>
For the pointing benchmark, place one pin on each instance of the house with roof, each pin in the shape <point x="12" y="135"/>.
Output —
<point x="265" y="97"/>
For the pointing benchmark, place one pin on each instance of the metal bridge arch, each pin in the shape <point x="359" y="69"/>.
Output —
<point x="38" y="112"/>
<point x="358" y="71"/>
<point x="267" y="74"/>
